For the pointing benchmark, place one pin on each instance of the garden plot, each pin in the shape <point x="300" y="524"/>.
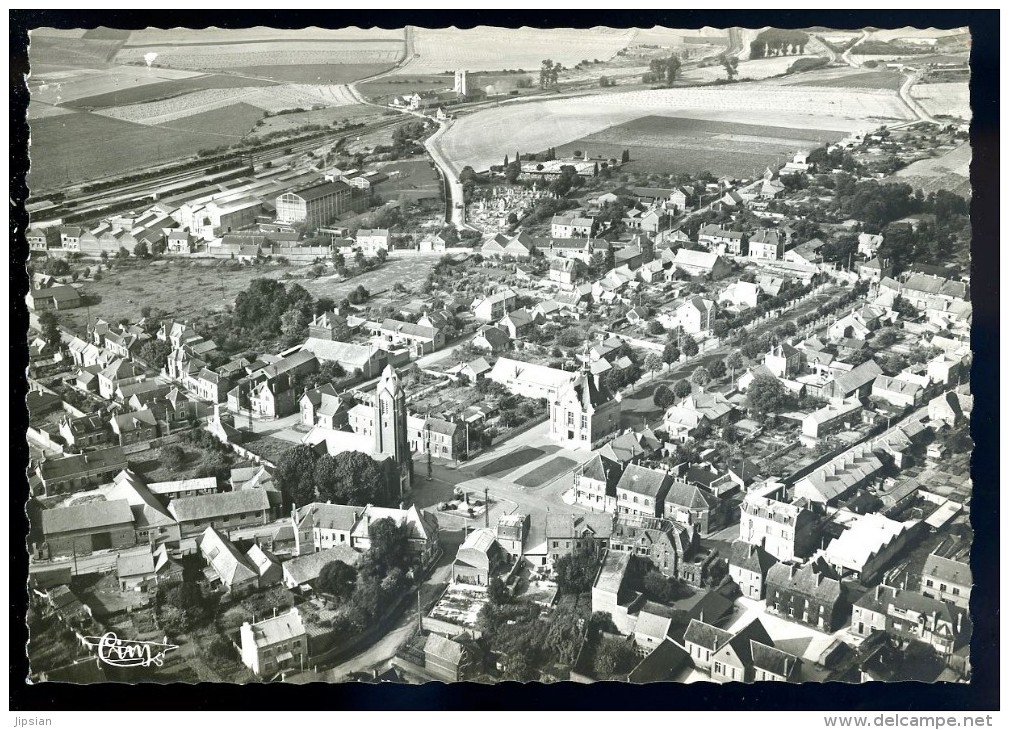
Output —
<point x="951" y="100"/>
<point x="491" y="49"/>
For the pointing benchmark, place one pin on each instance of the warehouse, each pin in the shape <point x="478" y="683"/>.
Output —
<point x="315" y="205"/>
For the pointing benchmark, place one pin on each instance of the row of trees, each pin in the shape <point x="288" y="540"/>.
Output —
<point x="778" y="42"/>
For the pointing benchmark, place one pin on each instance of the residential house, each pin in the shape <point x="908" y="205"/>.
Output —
<point x="906" y="615"/>
<point x="829" y="419"/>
<point x="736" y="659"/>
<point x="491" y="339"/>
<point x="766" y="244"/>
<point x="811" y="594"/>
<point x="495" y="306"/>
<point x="896" y="391"/>
<point x="868" y="244"/>
<point x="565" y="271"/>
<point x="740" y="294"/>
<point x="134" y="427"/>
<point x="373" y="240"/>
<point x="681" y="420"/>
<point x="422" y="530"/>
<point x="226" y="563"/>
<point x="75" y="472"/>
<point x="118" y="372"/>
<point x="874" y="269"/>
<point x="275" y="644"/>
<point x="946" y="409"/>
<point x="323" y="406"/>
<point x="748" y="566"/>
<point x="43" y="239"/>
<point x="152" y="523"/>
<point x="853" y="469"/>
<point x="784" y="361"/>
<point x="720" y="240"/>
<point x="572" y="226"/>
<point x="302" y="572"/>
<point x="947" y="573"/>
<point x="86" y="432"/>
<point x="595" y="483"/>
<point x="417" y="338"/>
<point x="518" y="323"/>
<point x="787" y="530"/>
<point x="856" y="383"/>
<point x="567" y="534"/>
<point x="642" y="490"/>
<point x="690" y="506"/>
<point x="696" y="315"/>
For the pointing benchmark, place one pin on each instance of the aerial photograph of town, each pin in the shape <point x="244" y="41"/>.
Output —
<point x="541" y="354"/>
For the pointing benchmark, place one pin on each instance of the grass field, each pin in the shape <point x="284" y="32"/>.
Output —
<point x="547" y="472"/>
<point x="316" y="73"/>
<point x="281" y="122"/>
<point x="416" y="180"/>
<point x="81" y="146"/>
<point x="950" y="171"/>
<point x="865" y="80"/>
<point x="227" y="124"/>
<point x="510" y="461"/>
<point x="671" y="145"/>
<point x="163" y="90"/>
<point x="184" y="288"/>
<point x="398" y="85"/>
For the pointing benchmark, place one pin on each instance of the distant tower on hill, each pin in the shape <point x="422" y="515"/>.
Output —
<point x="461" y="83"/>
<point x="390" y="425"/>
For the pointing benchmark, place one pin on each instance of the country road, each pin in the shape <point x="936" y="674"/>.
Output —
<point x="846" y="56"/>
<point x="911" y="102"/>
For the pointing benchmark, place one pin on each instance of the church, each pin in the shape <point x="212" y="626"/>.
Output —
<point x="378" y="430"/>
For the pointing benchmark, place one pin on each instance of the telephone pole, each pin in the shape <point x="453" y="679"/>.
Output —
<point x="486" y="507"/>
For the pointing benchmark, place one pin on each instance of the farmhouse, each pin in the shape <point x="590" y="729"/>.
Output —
<point x="83" y="528"/>
<point x="54" y="298"/>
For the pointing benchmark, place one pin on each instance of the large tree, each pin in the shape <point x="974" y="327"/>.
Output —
<point x="390" y="545"/>
<point x="49" y="326"/>
<point x="766" y="394"/>
<point x="348" y="478"/>
<point x="294" y="475"/>
<point x="338" y="580"/>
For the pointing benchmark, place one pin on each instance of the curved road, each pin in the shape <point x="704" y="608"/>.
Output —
<point x="846" y="56"/>
<point x="911" y="102"/>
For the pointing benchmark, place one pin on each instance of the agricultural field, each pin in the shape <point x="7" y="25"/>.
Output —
<point x="212" y="35"/>
<point x="327" y="116"/>
<point x="146" y="91"/>
<point x="56" y="85"/>
<point x="948" y="99"/>
<point x="950" y="171"/>
<point x="481" y="139"/>
<point x="398" y="85"/>
<point x="319" y="73"/>
<point x="409" y="180"/>
<point x="78" y="147"/>
<point x="271" y="99"/>
<point x="891" y="80"/>
<point x="670" y="145"/>
<point x="482" y="48"/>
<point x="71" y="50"/>
<point x="267" y="53"/>
<point x="659" y="35"/>
<point x="758" y="69"/>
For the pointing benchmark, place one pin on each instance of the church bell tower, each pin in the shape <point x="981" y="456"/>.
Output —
<point x="390" y="426"/>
